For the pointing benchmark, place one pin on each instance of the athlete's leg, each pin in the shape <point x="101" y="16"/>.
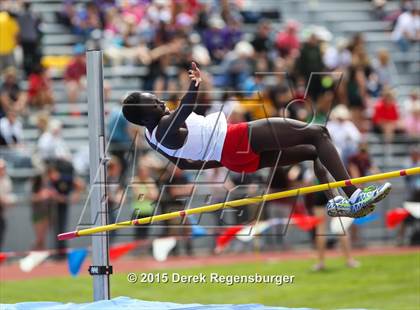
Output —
<point x="297" y="154"/>
<point x="288" y="156"/>
<point x="273" y="134"/>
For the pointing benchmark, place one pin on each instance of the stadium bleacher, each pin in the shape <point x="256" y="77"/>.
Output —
<point x="338" y="17"/>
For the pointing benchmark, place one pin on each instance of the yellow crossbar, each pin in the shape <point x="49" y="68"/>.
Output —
<point x="241" y="202"/>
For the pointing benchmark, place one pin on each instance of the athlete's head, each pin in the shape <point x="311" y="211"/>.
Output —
<point x="143" y="109"/>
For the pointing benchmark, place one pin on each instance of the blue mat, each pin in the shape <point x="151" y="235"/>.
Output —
<point x="129" y="303"/>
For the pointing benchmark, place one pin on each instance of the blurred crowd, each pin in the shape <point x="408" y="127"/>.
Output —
<point x="353" y="92"/>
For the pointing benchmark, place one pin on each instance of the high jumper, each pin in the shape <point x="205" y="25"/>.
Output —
<point x="193" y="141"/>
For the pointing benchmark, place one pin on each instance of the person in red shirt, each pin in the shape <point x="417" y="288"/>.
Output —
<point x="75" y="73"/>
<point x="288" y="41"/>
<point x="385" y="116"/>
<point x="39" y="90"/>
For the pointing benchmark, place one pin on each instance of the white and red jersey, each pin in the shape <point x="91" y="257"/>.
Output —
<point x="205" y="139"/>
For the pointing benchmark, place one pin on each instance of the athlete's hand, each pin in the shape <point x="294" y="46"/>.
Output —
<point x="195" y="74"/>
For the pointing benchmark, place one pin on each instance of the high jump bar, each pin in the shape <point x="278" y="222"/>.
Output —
<point x="240" y="202"/>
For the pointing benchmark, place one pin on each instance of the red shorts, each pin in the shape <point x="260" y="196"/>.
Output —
<point x="237" y="154"/>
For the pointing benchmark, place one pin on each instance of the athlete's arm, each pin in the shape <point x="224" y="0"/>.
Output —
<point x="188" y="164"/>
<point x="170" y="125"/>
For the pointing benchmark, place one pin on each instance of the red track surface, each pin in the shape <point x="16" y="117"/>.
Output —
<point x="12" y="272"/>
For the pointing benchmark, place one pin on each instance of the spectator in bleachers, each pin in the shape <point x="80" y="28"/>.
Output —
<point x="113" y="23"/>
<point x="202" y="17"/>
<point x="411" y="102"/>
<point x="67" y="14"/>
<point x="159" y="58"/>
<point x="220" y="185"/>
<point x="407" y="29"/>
<point x="238" y="114"/>
<point x="123" y="45"/>
<point x="257" y="102"/>
<point x="66" y="188"/>
<point x="360" y="56"/>
<point x="214" y="38"/>
<point x="158" y="12"/>
<point x="145" y="193"/>
<point x="42" y="122"/>
<point x="321" y="236"/>
<point x="282" y="97"/>
<point x="133" y="10"/>
<point x="357" y="40"/>
<point x="287" y="41"/>
<point x="360" y="164"/>
<point x="40" y="93"/>
<point x="178" y="189"/>
<point x="9" y="31"/>
<point x="74" y="75"/>
<point x="280" y="64"/>
<point x="262" y="41"/>
<point x="356" y="90"/>
<point x="233" y="32"/>
<point x="226" y="104"/>
<point x="384" y="68"/>
<point x="51" y="144"/>
<point x="237" y="65"/>
<point x="11" y="134"/>
<point x="125" y="42"/>
<point x="386" y="118"/>
<point x="119" y="136"/>
<point x="337" y="57"/>
<point x="412" y="188"/>
<point x="11" y="95"/>
<point x="412" y="120"/>
<point x="323" y="102"/>
<point x="228" y="9"/>
<point x="7" y="198"/>
<point x="54" y="151"/>
<point x="30" y="38"/>
<point x="199" y="52"/>
<point x="81" y="161"/>
<point x="263" y="46"/>
<point x="309" y="61"/>
<point x="42" y="204"/>
<point x="356" y="81"/>
<point x="344" y="133"/>
<point x="88" y="19"/>
<point x="115" y="190"/>
<point x="379" y="8"/>
<point x="406" y="5"/>
<point x="11" y="5"/>
<point x="384" y="73"/>
<point x="411" y="113"/>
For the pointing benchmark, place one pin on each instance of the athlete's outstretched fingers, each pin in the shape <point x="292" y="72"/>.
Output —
<point x="195" y="74"/>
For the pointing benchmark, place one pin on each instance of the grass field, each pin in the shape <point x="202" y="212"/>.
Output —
<point x="382" y="282"/>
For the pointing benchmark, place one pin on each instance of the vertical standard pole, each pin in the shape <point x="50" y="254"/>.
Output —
<point x="98" y="198"/>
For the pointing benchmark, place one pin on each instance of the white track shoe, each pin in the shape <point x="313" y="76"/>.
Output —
<point x="360" y="204"/>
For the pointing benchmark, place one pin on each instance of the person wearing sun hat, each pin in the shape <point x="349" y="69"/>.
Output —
<point x="345" y="135"/>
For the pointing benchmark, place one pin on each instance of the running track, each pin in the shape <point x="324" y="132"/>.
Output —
<point x="12" y="272"/>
